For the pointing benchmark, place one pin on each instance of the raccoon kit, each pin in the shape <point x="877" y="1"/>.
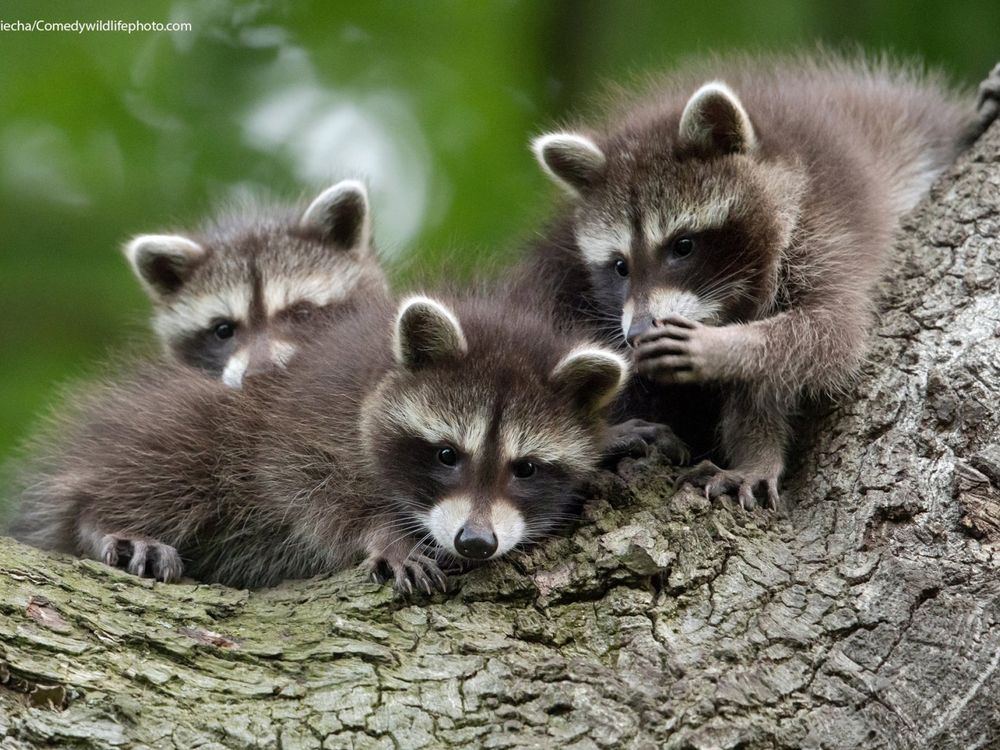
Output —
<point x="241" y="296"/>
<point x="401" y="436"/>
<point x="732" y="231"/>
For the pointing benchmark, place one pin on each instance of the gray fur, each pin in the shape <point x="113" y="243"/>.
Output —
<point x="791" y="190"/>
<point x="273" y="273"/>
<point x="328" y="464"/>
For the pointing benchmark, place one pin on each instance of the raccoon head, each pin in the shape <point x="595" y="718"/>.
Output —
<point x="679" y="216"/>
<point x="241" y="297"/>
<point x="480" y="437"/>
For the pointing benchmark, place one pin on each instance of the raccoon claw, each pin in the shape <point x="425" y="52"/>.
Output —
<point x="145" y="558"/>
<point x="417" y="569"/>
<point x="634" y="438"/>
<point x="678" y="350"/>
<point x="419" y="575"/>
<point x="744" y="484"/>
<point x="423" y="572"/>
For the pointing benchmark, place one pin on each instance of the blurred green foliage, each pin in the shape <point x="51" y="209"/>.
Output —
<point x="106" y="134"/>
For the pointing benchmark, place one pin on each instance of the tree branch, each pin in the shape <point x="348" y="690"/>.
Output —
<point x="870" y="618"/>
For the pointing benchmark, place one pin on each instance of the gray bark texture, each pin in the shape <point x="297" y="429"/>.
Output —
<point x="869" y="618"/>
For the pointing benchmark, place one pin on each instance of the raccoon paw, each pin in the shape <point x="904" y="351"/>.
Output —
<point x="678" y="350"/>
<point x="635" y="438"/>
<point x="988" y="101"/>
<point x="415" y="570"/>
<point x="141" y="557"/>
<point x="745" y="484"/>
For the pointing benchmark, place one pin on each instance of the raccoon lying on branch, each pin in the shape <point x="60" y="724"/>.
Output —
<point x="401" y="437"/>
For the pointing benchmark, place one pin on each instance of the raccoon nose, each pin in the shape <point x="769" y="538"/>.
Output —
<point x="475" y="544"/>
<point x="638" y="328"/>
<point x="258" y="366"/>
<point x="266" y="355"/>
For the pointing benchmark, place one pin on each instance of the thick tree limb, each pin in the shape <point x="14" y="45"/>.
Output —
<point x="870" y="618"/>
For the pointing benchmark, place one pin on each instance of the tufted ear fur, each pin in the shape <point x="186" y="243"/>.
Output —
<point x="341" y="216"/>
<point x="426" y="332"/>
<point x="714" y="120"/>
<point x="573" y="161"/>
<point x="592" y="376"/>
<point x="163" y="262"/>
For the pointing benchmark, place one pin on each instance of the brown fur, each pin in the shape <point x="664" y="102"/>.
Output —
<point x="238" y="296"/>
<point x="779" y="291"/>
<point x="321" y="466"/>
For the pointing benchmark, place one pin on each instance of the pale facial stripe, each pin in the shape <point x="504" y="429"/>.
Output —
<point x="628" y="313"/>
<point x="468" y="433"/>
<point x="508" y="525"/>
<point x="564" y="444"/>
<point x="186" y="315"/>
<point x="600" y="244"/>
<point x="445" y="519"/>
<point x="235" y="368"/>
<point x="664" y="302"/>
<point x="709" y="214"/>
<point x="319" y="290"/>
<point x="279" y="353"/>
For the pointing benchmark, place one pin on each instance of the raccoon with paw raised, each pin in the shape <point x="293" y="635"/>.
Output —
<point x="240" y="296"/>
<point x="400" y="437"/>
<point x="732" y="225"/>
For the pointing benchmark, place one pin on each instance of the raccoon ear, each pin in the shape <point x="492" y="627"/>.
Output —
<point x="575" y="162"/>
<point x="426" y="332"/>
<point x="341" y="216"/>
<point x="163" y="262"/>
<point x="592" y="376"/>
<point x="714" y="120"/>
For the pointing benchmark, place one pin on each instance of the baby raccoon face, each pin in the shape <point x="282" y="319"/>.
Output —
<point x="242" y="302"/>
<point x="696" y="241"/>
<point x="482" y="453"/>
<point x="693" y="227"/>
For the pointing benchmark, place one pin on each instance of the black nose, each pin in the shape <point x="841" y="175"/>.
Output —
<point x="638" y="327"/>
<point x="475" y="544"/>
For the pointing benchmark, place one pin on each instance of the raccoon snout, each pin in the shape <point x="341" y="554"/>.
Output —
<point x="266" y="356"/>
<point x="258" y="366"/>
<point x="638" y="327"/>
<point x="475" y="543"/>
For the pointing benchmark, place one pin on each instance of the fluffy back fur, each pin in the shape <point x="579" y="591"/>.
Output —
<point x="732" y="219"/>
<point x="452" y="427"/>
<point x="800" y="212"/>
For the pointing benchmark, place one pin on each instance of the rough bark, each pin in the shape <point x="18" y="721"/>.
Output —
<point x="869" y="618"/>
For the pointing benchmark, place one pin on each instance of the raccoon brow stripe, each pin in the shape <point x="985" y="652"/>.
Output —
<point x="711" y="214"/>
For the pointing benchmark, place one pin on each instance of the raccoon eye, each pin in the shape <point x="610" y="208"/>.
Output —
<point x="621" y="267"/>
<point x="524" y="469"/>
<point x="224" y="330"/>
<point x="683" y="247"/>
<point x="301" y="311"/>
<point x="448" y="456"/>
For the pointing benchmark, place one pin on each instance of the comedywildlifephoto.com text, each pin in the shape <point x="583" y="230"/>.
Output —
<point x="81" y="27"/>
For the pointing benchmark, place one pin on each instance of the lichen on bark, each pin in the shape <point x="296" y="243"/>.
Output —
<point x="868" y="618"/>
